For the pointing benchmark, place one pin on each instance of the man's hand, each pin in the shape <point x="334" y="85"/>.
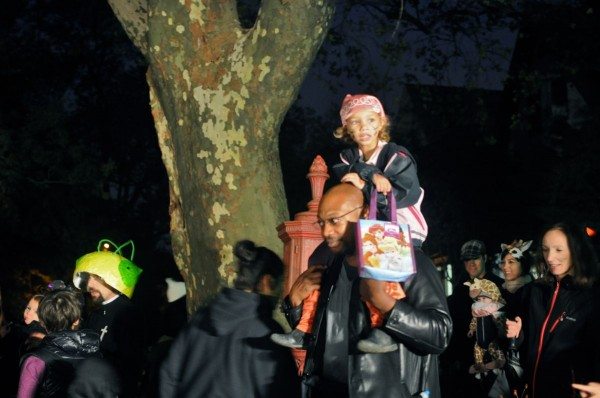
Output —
<point x="513" y="328"/>
<point x="374" y="291"/>
<point x="306" y="283"/>
<point x="382" y="184"/>
<point x="354" y="179"/>
<point x="590" y="390"/>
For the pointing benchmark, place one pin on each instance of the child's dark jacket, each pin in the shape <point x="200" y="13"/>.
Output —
<point x="396" y="164"/>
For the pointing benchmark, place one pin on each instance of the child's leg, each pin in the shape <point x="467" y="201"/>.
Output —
<point x="498" y="358"/>
<point x="379" y="341"/>
<point x="296" y="338"/>
<point x="394" y="290"/>
<point x="478" y="354"/>
<point x="376" y="316"/>
<point x="478" y="366"/>
<point x="309" y="310"/>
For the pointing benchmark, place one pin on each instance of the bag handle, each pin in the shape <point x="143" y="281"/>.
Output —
<point x="391" y="204"/>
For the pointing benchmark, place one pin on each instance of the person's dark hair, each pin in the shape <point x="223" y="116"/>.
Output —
<point x="583" y="257"/>
<point x="253" y="263"/>
<point x="36" y="297"/>
<point x="59" y="309"/>
<point x="524" y="261"/>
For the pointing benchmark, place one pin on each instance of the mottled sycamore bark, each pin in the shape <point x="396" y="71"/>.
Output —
<point x="218" y="94"/>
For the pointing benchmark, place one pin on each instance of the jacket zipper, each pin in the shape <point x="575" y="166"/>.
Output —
<point x="557" y="321"/>
<point x="541" y="343"/>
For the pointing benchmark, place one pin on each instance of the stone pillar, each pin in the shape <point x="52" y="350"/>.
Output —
<point x="302" y="235"/>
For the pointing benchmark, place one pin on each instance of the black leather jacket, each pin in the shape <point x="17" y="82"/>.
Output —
<point x="62" y="353"/>
<point x="420" y="323"/>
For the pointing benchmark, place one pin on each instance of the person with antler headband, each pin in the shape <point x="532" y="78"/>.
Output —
<point x="515" y="265"/>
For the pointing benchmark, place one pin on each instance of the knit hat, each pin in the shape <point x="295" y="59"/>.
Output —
<point x="472" y="249"/>
<point x="359" y="102"/>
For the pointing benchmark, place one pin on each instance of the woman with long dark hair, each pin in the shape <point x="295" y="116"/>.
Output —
<point x="561" y="323"/>
<point x="515" y="263"/>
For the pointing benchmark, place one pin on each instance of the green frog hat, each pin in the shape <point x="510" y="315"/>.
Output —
<point x="117" y="271"/>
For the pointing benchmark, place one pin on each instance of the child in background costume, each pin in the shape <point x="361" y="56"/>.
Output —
<point x="34" y="330"/>
<point x="374" y="163"/>
<point x="486" y="324"/>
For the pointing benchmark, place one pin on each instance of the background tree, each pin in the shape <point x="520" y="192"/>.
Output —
<point x="218" y="93"/>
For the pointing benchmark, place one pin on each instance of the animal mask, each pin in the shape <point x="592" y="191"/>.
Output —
<point x="486" y="288"/>
<point x="517" y="248"/>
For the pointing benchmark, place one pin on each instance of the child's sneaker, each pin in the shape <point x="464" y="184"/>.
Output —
<point x="378" y="342"/>
<point x="294" y="339"/>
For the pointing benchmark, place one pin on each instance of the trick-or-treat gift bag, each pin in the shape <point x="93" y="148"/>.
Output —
<point x="385" y="250"/>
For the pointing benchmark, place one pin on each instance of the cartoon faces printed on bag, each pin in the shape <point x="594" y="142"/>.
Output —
<point x="370" y="249"/>
<point x="381" y="244"/>
<point x="377" y="231"/>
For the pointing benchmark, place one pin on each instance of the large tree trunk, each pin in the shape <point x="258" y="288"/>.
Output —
<point x="218" y="95"/>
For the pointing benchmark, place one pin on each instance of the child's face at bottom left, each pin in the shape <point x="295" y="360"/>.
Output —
<point x="30" y="313"/>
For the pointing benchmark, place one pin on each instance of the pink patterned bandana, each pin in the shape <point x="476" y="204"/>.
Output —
<point x="359" y="102"/>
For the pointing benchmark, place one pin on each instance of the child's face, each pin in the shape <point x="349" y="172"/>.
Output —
<point x="369" y="247"/>
<point x="364" y="127"/>
<point x="30" y="313"/>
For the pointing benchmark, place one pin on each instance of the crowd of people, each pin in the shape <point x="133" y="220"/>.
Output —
<point x="517" y="333"/>
<point x="548" y="325"/>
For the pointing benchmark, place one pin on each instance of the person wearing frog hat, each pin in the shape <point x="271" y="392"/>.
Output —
<point x="109" y="279"/>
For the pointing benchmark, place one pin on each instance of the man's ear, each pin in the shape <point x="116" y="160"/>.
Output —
<point x="364" y="213"/>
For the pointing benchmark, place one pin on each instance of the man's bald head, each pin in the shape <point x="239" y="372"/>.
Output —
<point x="342" y="195"/>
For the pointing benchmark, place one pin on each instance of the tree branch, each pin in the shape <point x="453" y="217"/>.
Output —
<point x="302" y="25"/>
<point x="133" y="15"/>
